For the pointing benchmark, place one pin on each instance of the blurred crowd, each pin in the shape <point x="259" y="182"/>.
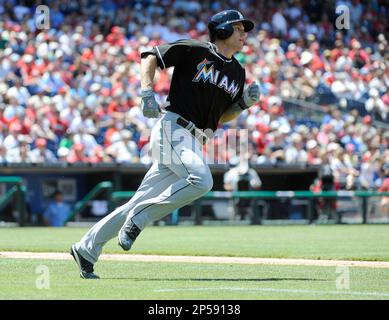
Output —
<point x="70" y="93"/>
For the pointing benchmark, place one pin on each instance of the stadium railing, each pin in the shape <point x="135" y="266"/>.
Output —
<point x="312" y="113"/>
<point x="268" y="195"/>
<point x="96" y="191"/>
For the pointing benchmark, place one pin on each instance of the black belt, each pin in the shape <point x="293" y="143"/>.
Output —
<point x="184" y="123"/>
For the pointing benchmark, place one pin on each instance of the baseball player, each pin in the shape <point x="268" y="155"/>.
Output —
<point x="207" y="87"/>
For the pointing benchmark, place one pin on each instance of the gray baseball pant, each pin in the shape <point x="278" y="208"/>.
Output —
<point x="178" y="176"/>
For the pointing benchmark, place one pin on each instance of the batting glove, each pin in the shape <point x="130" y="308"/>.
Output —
<point x="149" y="105"/>
<point x="251" y="95"/>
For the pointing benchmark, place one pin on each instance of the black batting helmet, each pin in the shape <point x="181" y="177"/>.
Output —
<point x="220" y="25"/>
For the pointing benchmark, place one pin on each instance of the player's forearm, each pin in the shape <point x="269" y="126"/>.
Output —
<point x="231" y="113"/>
<point x="148" y="65"/>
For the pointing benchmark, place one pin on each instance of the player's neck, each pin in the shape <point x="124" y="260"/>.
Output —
<point x="224" y="50"/>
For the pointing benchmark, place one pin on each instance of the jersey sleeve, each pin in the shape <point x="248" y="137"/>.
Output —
<point x="171" y="54"/>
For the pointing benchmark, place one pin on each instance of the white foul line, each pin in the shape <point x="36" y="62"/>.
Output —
<point x="200" y="259"/>
<point x="299" y="291"/>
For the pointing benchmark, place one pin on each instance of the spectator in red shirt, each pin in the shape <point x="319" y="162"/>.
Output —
<point x="337" y="51"/>
<point x="77" y="154"/>
<point x="3" y="121"/>
<point x="58" y="126"/>
<point x="99" y="155"/>
<point x="358" y="55"/>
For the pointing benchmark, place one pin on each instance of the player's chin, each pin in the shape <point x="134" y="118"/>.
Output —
<point x="240" y="46"/>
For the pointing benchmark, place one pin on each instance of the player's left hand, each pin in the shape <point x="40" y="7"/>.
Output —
<point x="149" y="105"/>
<point x="251" y="94"/>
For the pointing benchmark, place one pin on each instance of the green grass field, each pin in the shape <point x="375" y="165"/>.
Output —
<point x="168" y="280"/>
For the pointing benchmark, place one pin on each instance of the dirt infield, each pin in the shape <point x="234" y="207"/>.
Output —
<point x="198" y="259"/>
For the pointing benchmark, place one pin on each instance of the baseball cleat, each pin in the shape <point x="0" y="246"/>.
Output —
<point x="86" y="268"/>
<point x="127" y="235"/>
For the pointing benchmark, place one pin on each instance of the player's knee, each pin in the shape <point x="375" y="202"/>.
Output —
<point x="203" y="182"/>
<point x="207" y="184"/>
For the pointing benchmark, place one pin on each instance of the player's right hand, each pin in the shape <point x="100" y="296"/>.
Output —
<point x="251" y="94"/>
<point x="149" y="105"/>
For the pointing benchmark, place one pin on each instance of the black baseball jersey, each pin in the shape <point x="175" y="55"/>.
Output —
<point x="204" y="83"/>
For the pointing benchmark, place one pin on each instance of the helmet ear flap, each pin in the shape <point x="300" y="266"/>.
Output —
<point x="212" y="30"/>
<point x="212" y="26"/>
<point x="224" y="31"/>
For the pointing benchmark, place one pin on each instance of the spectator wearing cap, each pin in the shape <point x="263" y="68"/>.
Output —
<point x="122" y="148"/>
<point x="20" y="154"/>
<point x="86" y="139"/>
<point x="70" y="111"/>
<point x="336" y="120"/>
<point x="375" y="106"/>
<point x="287" y="86"/>
<point x="367" y="172"/>
<point x="313" y="153"/>
<point x="307" y="80"/>
<point x="12" y="110"/>
<point x="358" y="55"/>
<point x="42" y="128"/>
<point x="11" y="140"/>
<point x="294" y="152"/>
<point x="83" y="121"/>
<point x="276" y="147"/>
<point x="57" y="211"/>
<point x="62" y="154"/>
<point x="19" y="92"/>
<point x="344" y="173"/>
<point x="41" y="154"/>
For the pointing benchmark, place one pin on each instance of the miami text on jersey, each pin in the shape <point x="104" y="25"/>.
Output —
<point x="206" y="73"/>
